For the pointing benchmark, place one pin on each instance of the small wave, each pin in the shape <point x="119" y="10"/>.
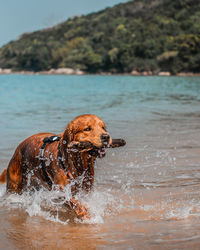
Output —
<point x="51" y="205"/>
<point x="113" y="103"/>
<point x="169" y="211"/>
<point x="183" y="97"/>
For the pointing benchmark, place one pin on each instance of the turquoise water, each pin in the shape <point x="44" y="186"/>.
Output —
<point x="29" y="104"/>
<point x="147" y="193"/>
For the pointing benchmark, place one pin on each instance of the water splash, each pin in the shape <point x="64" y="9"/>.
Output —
<point x="51" y="205"/>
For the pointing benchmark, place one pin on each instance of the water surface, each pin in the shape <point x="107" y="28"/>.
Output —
<point x="146" y="194"/>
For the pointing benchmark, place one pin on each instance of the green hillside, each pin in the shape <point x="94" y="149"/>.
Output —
<point x="142" y="35"/>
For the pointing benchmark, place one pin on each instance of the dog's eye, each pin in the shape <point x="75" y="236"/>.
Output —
<point x="88" y="129"/>
<point x="104" y="128"/>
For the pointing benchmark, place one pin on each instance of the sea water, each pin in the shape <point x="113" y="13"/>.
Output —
<point x="146" y="194"/>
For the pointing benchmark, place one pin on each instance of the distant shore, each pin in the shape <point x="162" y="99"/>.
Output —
<point x="69" y="71"/>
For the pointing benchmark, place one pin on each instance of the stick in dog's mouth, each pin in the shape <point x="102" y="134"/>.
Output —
<point x="93" y="150"/>
<point x="117" y="143"/>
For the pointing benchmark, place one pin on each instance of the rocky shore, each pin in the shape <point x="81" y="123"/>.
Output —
<point x="161" y="73"/>
<point x="69" y="71"/>
<point x="61" y="71"/>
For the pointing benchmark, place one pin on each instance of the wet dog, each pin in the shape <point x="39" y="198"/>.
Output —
<point x="47" y="160"/>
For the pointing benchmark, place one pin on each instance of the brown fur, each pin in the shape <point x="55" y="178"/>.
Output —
<point x="77" y="161"/>
<point x="3" y="176"/>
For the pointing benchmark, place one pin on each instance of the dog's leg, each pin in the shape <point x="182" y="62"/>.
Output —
<point x="62" y="180"/>
<point x="14" y="174"/>
<point x="80" y="210"/>
<point x="3" y="176"/>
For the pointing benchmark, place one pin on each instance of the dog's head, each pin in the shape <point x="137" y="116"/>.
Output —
<point x="88" y="133"/>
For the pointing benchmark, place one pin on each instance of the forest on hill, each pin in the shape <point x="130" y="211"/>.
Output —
<point x="141" y="35"/>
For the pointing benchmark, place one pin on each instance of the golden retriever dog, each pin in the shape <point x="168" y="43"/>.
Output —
<point x="47" y="160"/>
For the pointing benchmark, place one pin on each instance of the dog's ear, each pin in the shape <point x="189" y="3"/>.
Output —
<point x="68" y="134"/>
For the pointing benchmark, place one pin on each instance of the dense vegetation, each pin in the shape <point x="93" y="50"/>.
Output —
<point x="142" y="35"/>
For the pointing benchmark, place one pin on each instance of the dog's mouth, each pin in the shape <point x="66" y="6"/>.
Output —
<point x="89" y="148"/>
<point x="98" y="152"/>
<point x="92" y="149"/>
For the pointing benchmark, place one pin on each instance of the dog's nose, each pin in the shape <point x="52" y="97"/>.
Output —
<point x="105" y="138"/>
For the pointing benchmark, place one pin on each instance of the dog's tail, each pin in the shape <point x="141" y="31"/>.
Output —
<point x="3" y="176"/>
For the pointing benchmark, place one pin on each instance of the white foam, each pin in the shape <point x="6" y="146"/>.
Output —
<point x="50" y="204"/>
<point x="2" y="190"/>
<point x="180" y="213"/>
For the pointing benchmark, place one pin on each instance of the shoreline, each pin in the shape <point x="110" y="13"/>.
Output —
<point x="69" y="71"/>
